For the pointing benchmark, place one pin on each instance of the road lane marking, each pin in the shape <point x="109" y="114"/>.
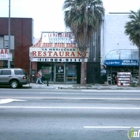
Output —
<point x="83" y="98"/>
<point x="76" y="98"/>
<point x="112" y="91"/>
<point x="71" y="107"/>
<point x="109" y="127"/>
<point x="5" y="101"/>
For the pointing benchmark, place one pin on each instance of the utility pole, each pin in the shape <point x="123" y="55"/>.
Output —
<point x="9" y="32"/>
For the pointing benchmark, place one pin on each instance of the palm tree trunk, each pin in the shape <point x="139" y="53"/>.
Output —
<point x="82" y="72"/>
<point x="139" y="65"/>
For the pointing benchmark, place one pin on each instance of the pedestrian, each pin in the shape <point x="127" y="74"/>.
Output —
<point x="39" y="76"/>
<point x="103" y="74"/>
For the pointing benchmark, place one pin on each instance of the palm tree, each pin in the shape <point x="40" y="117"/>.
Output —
<point x="83" y="17"/>
<point x="132" y="29"/>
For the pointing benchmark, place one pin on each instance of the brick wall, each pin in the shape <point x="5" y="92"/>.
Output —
<point x="21" y="28"/>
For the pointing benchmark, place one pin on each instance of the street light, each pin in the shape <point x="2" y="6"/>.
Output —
<point x="9" y="31"/>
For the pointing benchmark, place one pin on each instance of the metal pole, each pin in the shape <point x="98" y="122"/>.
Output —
<point x="9" y="31"/>
<point x="30" y="72"/>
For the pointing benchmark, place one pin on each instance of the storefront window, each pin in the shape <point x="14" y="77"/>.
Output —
<point x="71" y="75"/>
<point x="47" y="68"/>
<point x="59" y="72"/>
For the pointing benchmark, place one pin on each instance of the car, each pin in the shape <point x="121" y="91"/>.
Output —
<point x="15" y="77"/>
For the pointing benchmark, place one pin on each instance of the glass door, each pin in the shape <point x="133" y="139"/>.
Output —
<point x="59" y="72"/>
<point x="71" y="75"/>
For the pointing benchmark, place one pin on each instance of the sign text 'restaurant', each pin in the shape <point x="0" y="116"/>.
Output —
<point x="57" y="54"/>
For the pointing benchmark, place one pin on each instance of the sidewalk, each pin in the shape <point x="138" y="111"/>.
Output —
<point x="78" y="86"/>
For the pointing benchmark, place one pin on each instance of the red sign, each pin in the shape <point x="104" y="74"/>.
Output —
<point x="4" y="51"/>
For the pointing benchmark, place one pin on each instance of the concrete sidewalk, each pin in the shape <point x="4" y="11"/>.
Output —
<point x="78" y="86"/>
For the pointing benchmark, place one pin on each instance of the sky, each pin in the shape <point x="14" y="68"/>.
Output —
<point x="48" y="14"/>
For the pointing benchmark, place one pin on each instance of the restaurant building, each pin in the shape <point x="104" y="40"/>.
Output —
<point x="57" y="54"/>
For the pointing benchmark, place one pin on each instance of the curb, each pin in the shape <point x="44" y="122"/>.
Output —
<point x="80" y="87"/>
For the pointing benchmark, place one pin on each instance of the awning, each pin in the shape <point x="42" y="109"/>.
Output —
<point x="122" y="57"/>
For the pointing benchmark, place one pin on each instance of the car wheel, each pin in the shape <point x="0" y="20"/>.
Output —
<point x="14" y="84"/>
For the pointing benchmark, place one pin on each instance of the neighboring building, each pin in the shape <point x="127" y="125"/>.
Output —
<point x="93" y="64"/>
<point x="117" y="52"/>
<point x="21" y="40"/>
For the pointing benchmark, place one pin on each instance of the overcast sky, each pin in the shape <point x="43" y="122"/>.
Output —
<point x="48" y="14"/>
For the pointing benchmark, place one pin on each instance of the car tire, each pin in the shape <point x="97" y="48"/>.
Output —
<point x="14" y="84"/>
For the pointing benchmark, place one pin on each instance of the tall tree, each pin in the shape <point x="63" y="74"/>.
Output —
<point x="83" y="17"/>
<point x="132" y="29"/>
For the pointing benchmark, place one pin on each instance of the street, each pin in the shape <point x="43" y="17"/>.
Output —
<point x="68" y="114"/>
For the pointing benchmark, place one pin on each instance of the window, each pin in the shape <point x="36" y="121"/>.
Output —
<point x="25" y="72"/>
<point x="1" y="42"/>
<point x="5" y="72"/>
<point x="19" y="72"/>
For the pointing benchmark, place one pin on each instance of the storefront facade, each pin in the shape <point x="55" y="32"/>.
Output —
<point x="57" y="53"/>
<point x="21" y="39"/>
<point x="122" y="60"/>
<point x="118" y="53"/>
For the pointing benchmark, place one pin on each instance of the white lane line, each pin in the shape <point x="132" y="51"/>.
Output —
<point x="104" y="90"/>
<point x="5" y="101"/>
<point x="72" y="98"/>
<point x="110" y="127"/>
<point x="71" y="107"/>
<point x="83" y="98"/>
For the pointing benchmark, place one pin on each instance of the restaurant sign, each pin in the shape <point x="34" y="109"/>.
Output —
<point x="57" y="52"/>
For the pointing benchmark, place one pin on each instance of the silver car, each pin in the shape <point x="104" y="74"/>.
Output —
<point x="15" y="77"/>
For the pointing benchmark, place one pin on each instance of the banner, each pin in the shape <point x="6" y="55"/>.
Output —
<point x="58" y="37"/>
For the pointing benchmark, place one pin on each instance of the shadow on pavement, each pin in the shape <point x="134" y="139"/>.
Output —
<point x="8" y="86"/>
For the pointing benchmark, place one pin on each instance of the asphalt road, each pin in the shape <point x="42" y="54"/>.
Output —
<point x="57" y="114"/>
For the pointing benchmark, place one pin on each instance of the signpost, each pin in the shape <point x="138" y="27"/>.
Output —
<point x="9" y="31"/>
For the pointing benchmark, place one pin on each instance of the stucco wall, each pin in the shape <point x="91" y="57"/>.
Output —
<point x="113" y="33"/>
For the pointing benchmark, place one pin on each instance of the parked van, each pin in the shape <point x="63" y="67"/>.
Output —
<point x="15" y="77"/>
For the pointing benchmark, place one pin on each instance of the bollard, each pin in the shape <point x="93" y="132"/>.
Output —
<point x="47" y="82"/>
<point x="47" y="77"/>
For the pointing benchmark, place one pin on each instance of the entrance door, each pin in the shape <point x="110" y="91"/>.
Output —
<point x="59" y="72"/>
